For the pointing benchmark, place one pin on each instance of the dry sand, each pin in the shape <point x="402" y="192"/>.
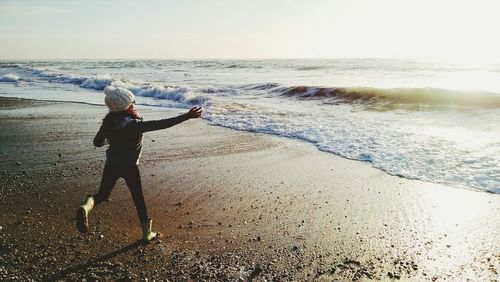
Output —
<point x="230" y="205"/>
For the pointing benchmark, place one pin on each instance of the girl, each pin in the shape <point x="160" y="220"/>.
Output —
<point x="123" y="128"/>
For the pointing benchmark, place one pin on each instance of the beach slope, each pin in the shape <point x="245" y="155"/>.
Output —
<point x="230" y="205"/>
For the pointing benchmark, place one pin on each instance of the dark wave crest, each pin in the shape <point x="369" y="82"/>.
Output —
<point x="264" y="86"/>
<point x="309" y="68"/>
<point x="423" y="96"/>
<point x="228" y="64"/>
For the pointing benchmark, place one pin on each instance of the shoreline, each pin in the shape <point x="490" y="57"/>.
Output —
<point x="230" y="204"/>
<point x="293" y="139"/>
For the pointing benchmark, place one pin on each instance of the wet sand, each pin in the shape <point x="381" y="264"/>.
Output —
<point x="230" y="205"/>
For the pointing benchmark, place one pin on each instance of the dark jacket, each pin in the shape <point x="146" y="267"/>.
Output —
<point x="124" y="135"/>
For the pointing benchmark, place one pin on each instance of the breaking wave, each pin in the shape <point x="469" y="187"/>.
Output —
<point x="152" y="90"/>
<point x="96" y="83"/>
<point x="9" y="78"/>
<point x="264" y="86"/>
<point x="423" y="96"/>
<point x="178" y="94"/>
<point x="310" y="68"/>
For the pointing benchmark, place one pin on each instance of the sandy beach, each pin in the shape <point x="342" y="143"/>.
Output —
<point x="230" y="205"/>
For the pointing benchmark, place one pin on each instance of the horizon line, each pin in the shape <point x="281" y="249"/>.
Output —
<point x="228" y="58"/>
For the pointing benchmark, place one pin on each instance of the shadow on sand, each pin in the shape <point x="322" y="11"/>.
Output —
<point x="92" y="262"/>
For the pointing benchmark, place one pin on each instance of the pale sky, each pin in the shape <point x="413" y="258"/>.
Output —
<point x="44" y="29"/>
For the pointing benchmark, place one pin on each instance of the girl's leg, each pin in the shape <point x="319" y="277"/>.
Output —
<point x="133" y="179"/>
<point x="110" y="175"/>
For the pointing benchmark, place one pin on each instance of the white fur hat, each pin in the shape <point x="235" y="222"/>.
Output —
<point x="118" y="99"/>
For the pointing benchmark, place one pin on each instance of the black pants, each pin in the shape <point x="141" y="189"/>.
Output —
<point x="133" y="179"/>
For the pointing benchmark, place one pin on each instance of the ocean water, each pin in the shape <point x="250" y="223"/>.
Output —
<point x="433" y="121"/>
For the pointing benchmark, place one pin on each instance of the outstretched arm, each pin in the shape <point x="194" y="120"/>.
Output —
<point x="145" y="126"/>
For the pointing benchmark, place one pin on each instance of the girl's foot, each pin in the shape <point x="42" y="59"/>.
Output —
<point x="147" y="231"/>
<point x="82" y="214"/>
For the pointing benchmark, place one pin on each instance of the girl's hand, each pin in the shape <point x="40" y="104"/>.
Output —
<point x="194" y="112"/>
